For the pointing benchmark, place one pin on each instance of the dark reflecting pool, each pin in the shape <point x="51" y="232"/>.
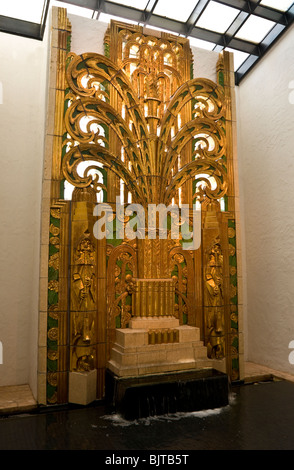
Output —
<point x="258" y="416"/>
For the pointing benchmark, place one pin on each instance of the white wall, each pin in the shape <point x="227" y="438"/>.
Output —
<point x="22" y="117"/>
<point x="266" y="167"/>
<point x="204" y="63"/>
<point x="87" y="35"/>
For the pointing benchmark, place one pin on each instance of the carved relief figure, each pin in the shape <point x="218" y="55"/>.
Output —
<point x="84" y="302"/>
<point x="84" y="275"/>
<point x="214" y="277"/>
<point x="214" y="302"/>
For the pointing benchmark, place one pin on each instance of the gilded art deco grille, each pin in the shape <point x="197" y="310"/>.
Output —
<point x="144" y="131"/>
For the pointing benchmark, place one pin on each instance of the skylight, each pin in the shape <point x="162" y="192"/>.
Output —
<point x="237" y="25"/>
<point x="139" y="4"/>
<point x="255" y="29"/>
<point x="201" y="44"/>
<point x="73" y="9"/>
<point x="105" y="18"/>
<point x="29" y="10"/>
<point x="217" y="17"/>
<point x="282" y="5"/>
<point x="159" y="29"/>
<point x="175" y="9"/>
<point x="239" y="57"/>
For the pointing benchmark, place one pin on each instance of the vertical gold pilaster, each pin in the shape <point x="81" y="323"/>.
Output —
<point x="52" y="378"/>
<point x="83" y="293"/>
<point x="61" y="51"/>
<point x="101" y="333"/>
<point x="57" y="338"/>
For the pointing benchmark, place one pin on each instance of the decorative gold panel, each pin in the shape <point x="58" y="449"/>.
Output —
<point x="161" y="137"/>
<point x="163" y="127"/>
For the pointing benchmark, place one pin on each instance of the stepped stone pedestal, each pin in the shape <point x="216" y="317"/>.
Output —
<point x="160" y="367"/>
<point x="154" y="345"/>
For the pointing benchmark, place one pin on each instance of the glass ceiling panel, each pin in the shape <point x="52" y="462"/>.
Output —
<point x="281" y="5"/>
<point x="255" y="29"/>
<point x="217" y="17"/>
<point x="200" y="43"/>
<point x="105" y="18"/>
<point x="239" y="57"/>
<point x="174" y="9"/>
<point x="149" y="26"/>
<point x="29" y="10"/>
<point x="73" y="9"/>
<point x="138" y="4"/>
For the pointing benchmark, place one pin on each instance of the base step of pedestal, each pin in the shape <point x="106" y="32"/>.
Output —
<point x="133" y="355"/>
<point x="151" y="368"/>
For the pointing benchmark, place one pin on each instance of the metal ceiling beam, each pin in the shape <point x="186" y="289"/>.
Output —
<point x="195" y="15"/>
<point x="20" y="28"/>
<point x="149" y="10"/>
<point x="236" y="25"/>
<point x="23" y="28"/>
<point x="206" y="35"/>
<point x="44" y="17"/>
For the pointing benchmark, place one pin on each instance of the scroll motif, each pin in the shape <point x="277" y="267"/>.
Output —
<point x="152" y="138"/>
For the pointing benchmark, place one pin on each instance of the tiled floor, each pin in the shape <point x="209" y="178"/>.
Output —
<point x="256" y="372"/>
<point x="16" y="398"/>
<point x="20" y="398"/>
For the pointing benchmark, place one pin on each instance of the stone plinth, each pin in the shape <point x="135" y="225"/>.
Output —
<point x="153" y="322"/>
<point x="157" y="345"/>
<point x="82" y="387"/>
